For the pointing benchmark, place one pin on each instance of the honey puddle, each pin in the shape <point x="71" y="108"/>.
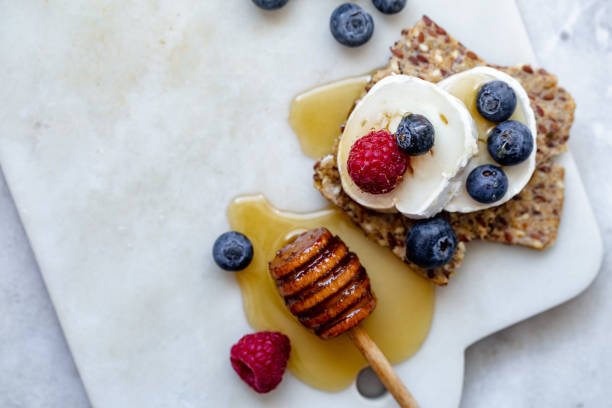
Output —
<point x="399" y="324"/>
<point x="316" y="115"/>
<point x="404" y="311"/>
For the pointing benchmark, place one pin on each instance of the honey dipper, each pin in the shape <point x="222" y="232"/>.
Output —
<point x="326" y="287"/>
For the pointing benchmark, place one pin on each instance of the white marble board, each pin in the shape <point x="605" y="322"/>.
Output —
<point x="127" y="127"/>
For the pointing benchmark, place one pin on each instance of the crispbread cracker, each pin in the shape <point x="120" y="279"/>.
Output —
<point x="532" y="217"/>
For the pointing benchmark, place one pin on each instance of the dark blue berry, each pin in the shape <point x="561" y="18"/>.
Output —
<point x="496" y="101"/>
<point x="270" y="4"/>
<point x="415" y="134"/>
<point x="233" y="251"/>
<point x="351" y="25"/>
<point x="431" y="243"/>
<point x="510" y="143"/>
<point x="487" y="183"/>
<point x="389" y="6"/>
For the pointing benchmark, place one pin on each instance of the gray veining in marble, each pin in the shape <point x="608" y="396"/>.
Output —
<point x="562" y="358"/>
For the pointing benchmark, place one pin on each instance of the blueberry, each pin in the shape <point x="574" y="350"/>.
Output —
<point x="389" y="6"/>
<point x="431" y="243"/>
<point x="270" y="4"/>
<point x="233" y="251"/>
<point x="351" y="25"/>
<point x="415" y="134"/>
<point x="487" y="183"/>
<point x="496" y="101"/>
<point x="510" y="143"/>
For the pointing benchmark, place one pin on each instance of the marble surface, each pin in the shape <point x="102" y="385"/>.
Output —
<point x="560" y="358"/>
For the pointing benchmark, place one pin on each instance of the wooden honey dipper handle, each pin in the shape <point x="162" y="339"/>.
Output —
<point x="328" y="289"/>
<point x="382" y="367"/>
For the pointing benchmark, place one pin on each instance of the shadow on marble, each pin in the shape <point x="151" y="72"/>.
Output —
<point x="36" y="368"/>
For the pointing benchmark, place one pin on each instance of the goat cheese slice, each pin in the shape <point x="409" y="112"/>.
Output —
<point x="431" y="179"/>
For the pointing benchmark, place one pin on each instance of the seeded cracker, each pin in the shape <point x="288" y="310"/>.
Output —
<point x="532" y="217"/>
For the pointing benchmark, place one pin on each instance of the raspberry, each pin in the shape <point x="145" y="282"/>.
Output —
<point x="260" y="359"/>
<point x="375" y="163"/>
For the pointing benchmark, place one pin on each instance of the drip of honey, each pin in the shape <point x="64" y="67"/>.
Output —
<point x="399" y="324"/>
<point x="317" y="115"/>
<point x="467" y="90"/>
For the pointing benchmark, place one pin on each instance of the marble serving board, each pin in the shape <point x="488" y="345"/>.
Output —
<point x="127" y="128"/>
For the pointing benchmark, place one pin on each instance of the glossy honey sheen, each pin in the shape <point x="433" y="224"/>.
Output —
<point x="399" y="324"/>
<point x="467" y="90"/>
<point x="317" y="115"/>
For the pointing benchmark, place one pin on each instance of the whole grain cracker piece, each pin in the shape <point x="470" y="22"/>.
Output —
<point x="532" y="217"/>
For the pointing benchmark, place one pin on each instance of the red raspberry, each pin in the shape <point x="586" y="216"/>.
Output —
<point x="375" y="163"/>
<point x="260" y="359"/>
